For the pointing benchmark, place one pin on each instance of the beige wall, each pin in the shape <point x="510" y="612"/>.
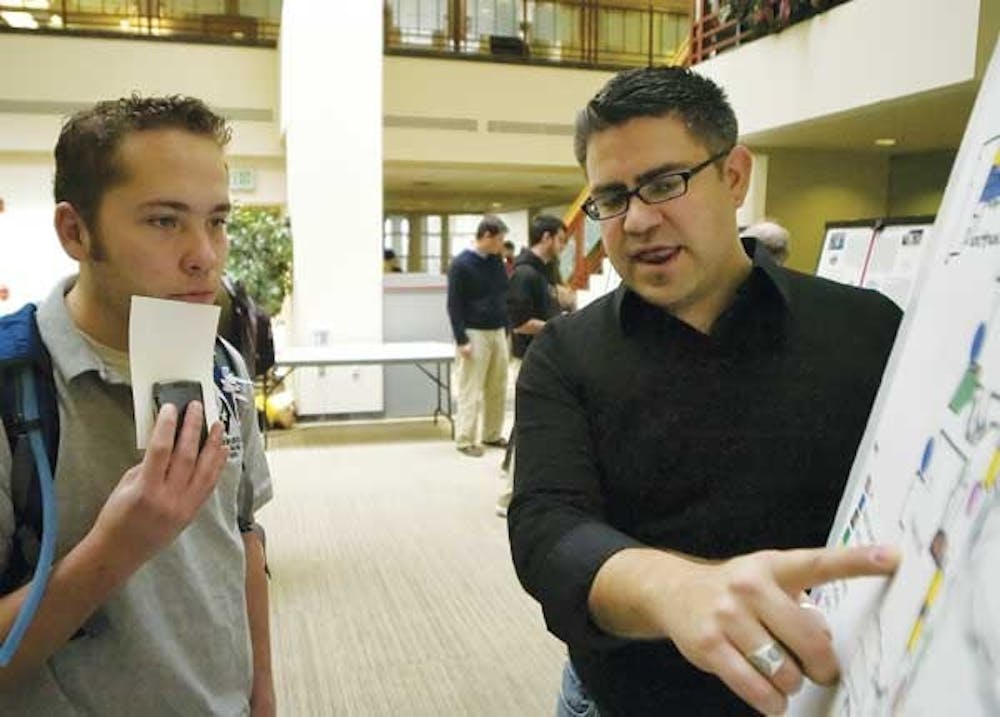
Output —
<point x="55" y="75"/>
<point x="480" y="92"/>
<point x="917" y="182"/>
<point x="859" y="53"/>
<point x="807" y="189"/>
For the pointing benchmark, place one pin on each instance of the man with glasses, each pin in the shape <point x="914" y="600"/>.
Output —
<point x="684" y="441"/>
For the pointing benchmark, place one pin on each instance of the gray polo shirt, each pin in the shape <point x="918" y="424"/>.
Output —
<point x="174" y="639"/>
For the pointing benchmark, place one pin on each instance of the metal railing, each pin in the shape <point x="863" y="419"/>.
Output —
<point x="720" y="25"/>
<point x="577" y="32"/>
<point x="221" y="21"/>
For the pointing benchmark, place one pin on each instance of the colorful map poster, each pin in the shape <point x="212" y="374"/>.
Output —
<point x="925" y="477"/>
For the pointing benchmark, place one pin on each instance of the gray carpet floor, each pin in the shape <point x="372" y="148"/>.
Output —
<point x="393" y="591"/>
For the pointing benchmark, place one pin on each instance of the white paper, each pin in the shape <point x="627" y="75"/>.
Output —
<point x="927" y="475"/>
<point x="844" y="254"/>
<point x="170" y="341"/>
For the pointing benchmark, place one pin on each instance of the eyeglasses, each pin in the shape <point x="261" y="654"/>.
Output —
<point x="656" y="190"/>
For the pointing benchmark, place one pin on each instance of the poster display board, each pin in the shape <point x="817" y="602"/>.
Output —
<point x="881" y="254"/>
<point x="927" y="642"/>
<point x="845" y="251"/>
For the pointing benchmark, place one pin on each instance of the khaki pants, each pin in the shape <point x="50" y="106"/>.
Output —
<point x="482" y="379"/>
<point x="507" y="467"/>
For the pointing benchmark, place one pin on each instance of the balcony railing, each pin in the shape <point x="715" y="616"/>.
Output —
<point x="580" y="32"/>
<point x="219" y="21"/>
<point x="720" y="25"/>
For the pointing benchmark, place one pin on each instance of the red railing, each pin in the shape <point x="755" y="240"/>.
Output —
<point x="720" y="25"/>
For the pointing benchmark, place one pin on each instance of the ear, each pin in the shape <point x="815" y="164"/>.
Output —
<point x="72" y="231"/>
<point x="736" y="172"/>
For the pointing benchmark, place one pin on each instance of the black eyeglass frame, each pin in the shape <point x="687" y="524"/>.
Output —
<point x="589" y="205"/>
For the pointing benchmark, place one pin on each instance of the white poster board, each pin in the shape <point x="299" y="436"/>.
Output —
<point x="885" y="255"/>
<point x="895" y="259"/>
<point x="925" y="478"/>
<point x="845" y="253"/>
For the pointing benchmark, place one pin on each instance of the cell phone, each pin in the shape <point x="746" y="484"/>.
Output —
<point x="179" y="393"/>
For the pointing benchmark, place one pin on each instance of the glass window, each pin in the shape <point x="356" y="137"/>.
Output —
<point x="493" y="17"/>
<point x="430" y="251"/>
<point x="396" y="236"/>
<point x="419" y="22"/>
<point x="463" y="231"/>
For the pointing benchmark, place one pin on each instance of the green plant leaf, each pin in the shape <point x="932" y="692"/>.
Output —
<point x="260" y="254"/>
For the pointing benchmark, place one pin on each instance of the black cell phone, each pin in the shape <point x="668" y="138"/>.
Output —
<point x="179" y="393"/>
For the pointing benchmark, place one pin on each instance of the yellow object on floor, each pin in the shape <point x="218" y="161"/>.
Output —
<point x="280" y="410"/>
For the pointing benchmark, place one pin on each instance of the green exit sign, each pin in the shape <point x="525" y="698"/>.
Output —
<point x="242" y="180"/>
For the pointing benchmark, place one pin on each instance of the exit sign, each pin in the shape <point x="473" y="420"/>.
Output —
<point x="242" y="180"/>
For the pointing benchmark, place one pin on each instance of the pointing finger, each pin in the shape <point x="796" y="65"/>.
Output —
<point x="796" y="570"/>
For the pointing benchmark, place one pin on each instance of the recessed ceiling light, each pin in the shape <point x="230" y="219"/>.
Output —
<point x="20" y="20"/>
<point x="886" y="142"/>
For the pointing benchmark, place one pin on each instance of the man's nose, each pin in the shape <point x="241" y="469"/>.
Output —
<point x="640" y="217"/>
<point x="203" y="253"/>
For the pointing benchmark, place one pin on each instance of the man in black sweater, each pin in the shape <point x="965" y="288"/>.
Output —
<point x="532" y="299"/>
<point x="477" y="307"/>
<point x="683" y="442"/>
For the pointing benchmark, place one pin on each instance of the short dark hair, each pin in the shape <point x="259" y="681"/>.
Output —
<point x="86" y="153"/>
<point x="657" y="92"/>
<point x="508" y="244"/>
<point x="491" y="224"/>
<point x="544" y="223"/>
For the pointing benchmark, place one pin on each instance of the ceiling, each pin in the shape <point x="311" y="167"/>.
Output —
<point x="475" y="188"/>
<point x="920" y="123"/>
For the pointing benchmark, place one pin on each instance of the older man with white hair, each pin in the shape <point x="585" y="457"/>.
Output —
<point x="772" y="236"/>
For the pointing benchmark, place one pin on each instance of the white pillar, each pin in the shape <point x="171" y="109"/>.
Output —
<point x="331" y="113"/>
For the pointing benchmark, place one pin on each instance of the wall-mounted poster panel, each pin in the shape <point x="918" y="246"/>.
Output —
<point x="881" y="254"/>
<point x="897" y="252"/>
<point x="927" y="475"/>
<point x="845" y="251"/>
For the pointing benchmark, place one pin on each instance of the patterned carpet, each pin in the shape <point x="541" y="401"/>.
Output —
<point x="393" y="592"/>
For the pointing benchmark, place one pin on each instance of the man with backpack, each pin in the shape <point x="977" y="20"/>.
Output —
<point x="157" y="600"/>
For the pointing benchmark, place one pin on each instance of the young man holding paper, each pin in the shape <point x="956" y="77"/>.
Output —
<point x="157" y="603"/>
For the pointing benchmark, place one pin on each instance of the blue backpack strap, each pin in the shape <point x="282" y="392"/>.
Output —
<point x="30" y="416"/>
<point x="22" y="352"/>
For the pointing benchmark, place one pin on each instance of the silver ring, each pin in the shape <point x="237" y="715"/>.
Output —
<point x="767" y="659"/>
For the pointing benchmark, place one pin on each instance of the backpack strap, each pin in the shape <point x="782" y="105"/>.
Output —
<point x="23" y="357"/>
<point x="27" y="369"/>
<point x="224" y="359"/>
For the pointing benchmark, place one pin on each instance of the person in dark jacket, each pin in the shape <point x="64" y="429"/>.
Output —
<point x="532" y="299"/>
<point x="477" y="308"/>
<point x="683" y="442"/>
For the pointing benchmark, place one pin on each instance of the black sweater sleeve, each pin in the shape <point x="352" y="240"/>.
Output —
<point x="457" y="278"/>
<point x="558" y="533"/>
